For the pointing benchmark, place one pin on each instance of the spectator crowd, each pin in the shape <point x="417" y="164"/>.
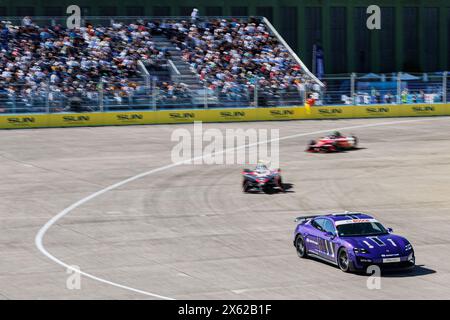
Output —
<point x="230" y="57"/>
<point x="59" y="62"/>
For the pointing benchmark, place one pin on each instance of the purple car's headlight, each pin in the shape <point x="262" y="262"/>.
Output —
<point x="408" y="247"/>
<point x="360" y="250"/>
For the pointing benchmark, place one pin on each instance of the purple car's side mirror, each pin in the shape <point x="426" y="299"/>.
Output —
<point x="390" y="230"/>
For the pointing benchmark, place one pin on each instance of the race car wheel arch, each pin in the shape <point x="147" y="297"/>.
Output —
<point x="300" y="246"/>
<point x="280" y="183"/>
<point x="245" y="186"/>
<point x="343" y="260"/>
<point x="336" y="146"/>
<point x="356" y="141"/>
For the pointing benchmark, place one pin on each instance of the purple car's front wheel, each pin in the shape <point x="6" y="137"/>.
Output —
<point x="343" y="260"/>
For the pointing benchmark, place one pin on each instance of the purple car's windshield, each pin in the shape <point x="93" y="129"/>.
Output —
<point x="361" y="229"/>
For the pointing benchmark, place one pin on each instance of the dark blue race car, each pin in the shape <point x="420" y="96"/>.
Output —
<point x="352" y="241"/>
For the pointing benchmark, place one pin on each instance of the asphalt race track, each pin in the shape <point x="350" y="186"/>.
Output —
<point x="188" y="231"/>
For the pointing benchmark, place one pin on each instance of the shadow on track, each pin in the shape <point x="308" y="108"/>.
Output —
<point x="336" y="152"/>
<point x="417" y="271"/>
<point x="286" y="186"/>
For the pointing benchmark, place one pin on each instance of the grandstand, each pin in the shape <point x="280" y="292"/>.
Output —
<point x="159" y="63"/>
<point x="126" y="63"/>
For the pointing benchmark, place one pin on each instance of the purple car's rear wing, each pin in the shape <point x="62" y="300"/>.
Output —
<point x="304" y="218"/>
<point x="350" y="214"/>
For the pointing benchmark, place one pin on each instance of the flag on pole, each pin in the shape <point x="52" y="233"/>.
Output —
<point x="319" y="61"/>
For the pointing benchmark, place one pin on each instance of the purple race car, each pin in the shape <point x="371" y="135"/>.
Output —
<point x="352" y="241"/>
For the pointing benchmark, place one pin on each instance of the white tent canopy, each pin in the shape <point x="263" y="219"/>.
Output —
<point x="371" y="76"/>
<point x="407" y="76"/>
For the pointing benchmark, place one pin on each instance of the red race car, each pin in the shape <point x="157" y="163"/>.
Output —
<point x="334" y="142"/>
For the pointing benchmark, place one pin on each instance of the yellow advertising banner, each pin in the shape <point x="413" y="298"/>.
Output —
<point x="177" y="116"/>
<point x="421" y="110"/>
<point x="232" y="115"/>
<point x="331" y="112"/>
<point x="129" y="118"/>
<point x="207" y="115"/>
<point x="15" y="121"/>
<point x="282" y="113"/>
<point x="376" y="111"/>
<point x="75" y="119"/>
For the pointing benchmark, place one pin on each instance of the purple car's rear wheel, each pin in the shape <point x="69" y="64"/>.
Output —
<point x="343" y="260"/>
<point x="300" y="246"/>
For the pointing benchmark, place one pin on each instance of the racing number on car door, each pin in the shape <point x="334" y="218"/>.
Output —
<point x="313" y="238"/>
<point x="326" y="245"/>
<point x="326" y="248"/>
<point x="319" y="242"/>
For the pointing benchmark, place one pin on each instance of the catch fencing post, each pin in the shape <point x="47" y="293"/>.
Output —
<point x="100" y="94"/>
<point x="399" y="87"/>
<point x="352" y="88"/>
<point x="14" y="97"/>
<point x="154" y="90"/>
<point x="47" y="98"/>
<point x="255" y="98"/>
<point x="444" y="87"/>
<point x="148" y="88"/>
<point x="206" y="97"/>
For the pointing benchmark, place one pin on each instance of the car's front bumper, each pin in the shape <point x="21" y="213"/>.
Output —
<point x="262" y="185"/>
<point x="324" y="148"/>
<point x="404" y="262"/>
<point x="393" y="266"/>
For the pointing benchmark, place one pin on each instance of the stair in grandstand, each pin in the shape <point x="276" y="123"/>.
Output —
<point x="185" y="74"/>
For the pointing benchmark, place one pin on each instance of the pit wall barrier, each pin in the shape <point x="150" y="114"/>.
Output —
<point x="16" y="121"/>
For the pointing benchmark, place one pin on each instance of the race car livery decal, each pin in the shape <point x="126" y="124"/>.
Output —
<point x="311" y="241"/>
<point x="326" y="247"/>
<point x="338" y="223"/>
<point x="392" y="242"/>
<point x="377" y="241"/>
<point x="387" y="255"/>
<point x="368" y="244"/>
<point x="329" y="247"/>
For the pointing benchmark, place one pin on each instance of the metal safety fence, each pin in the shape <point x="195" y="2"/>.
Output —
<point x="139" y="94"/>
<point x="394" y="88"/>
<point x="154" y="92"/>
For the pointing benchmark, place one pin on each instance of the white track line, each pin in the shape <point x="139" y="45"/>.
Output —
<point x="40" y="235"/>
